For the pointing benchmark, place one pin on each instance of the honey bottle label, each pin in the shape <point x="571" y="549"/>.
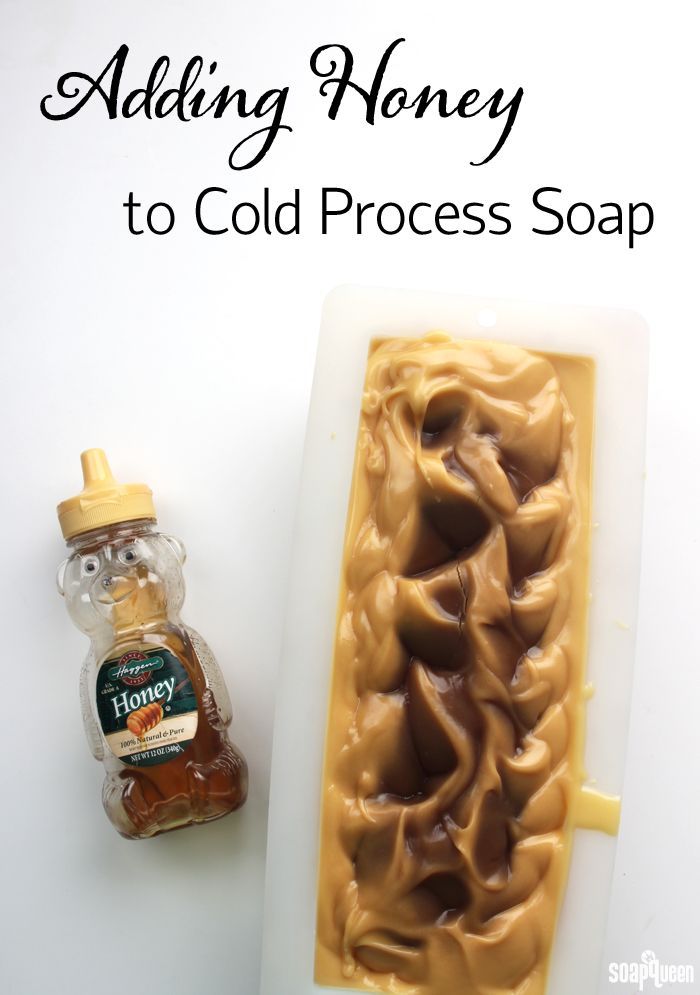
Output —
<point x="146" y="706"/>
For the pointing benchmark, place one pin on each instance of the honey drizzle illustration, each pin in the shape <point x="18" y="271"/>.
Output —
<point x="148" y="716"/>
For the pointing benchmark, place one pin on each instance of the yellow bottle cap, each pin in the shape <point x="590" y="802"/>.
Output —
<point x="103" y="501"/>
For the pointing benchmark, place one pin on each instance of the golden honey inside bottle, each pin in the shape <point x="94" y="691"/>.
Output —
<point x="154" y="703"/>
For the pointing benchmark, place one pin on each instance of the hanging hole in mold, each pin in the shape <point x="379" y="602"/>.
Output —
<point x="487" y="317"/>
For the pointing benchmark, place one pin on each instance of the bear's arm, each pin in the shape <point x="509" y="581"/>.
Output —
<point x="213" y="676"/>
<point x="87" y="696"/>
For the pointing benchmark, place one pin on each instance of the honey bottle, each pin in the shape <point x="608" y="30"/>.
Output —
<point x="155" y="707"/>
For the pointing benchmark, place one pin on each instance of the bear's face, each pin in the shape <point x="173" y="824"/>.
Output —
<point x="125" y="583"/>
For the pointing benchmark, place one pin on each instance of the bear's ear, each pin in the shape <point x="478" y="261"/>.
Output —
<point x="60" y="576"/>
<point x="177" y="546"/>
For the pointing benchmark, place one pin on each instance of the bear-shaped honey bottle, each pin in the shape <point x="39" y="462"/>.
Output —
<point x="155" y="707"/>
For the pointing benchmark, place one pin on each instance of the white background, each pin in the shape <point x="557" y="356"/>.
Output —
<point x="189" y="359"/>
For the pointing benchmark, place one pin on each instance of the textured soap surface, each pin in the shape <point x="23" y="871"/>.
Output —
<point x="453" y="753"/>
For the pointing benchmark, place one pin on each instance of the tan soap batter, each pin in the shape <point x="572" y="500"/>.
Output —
<point x="453" y="771"/>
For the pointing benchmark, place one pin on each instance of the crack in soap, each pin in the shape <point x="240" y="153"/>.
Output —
<point x="453" y="768"/>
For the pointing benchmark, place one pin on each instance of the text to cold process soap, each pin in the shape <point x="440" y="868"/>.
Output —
<point x="337" y="211"/>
